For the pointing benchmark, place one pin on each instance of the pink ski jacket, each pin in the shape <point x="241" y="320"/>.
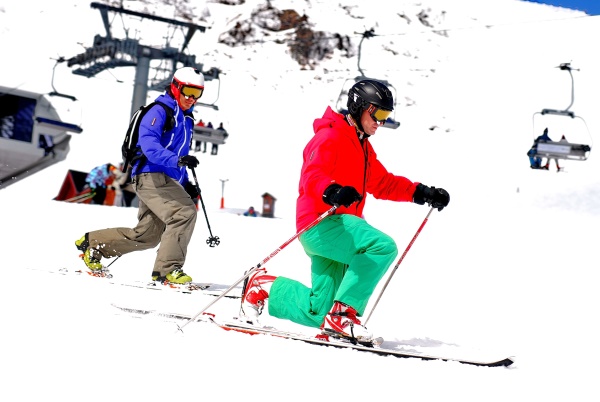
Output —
<point x="336" y="155"/>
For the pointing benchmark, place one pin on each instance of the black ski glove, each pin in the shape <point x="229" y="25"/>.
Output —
<point x="336" y="194"/>
<point x="188" y="160"/>
<point x="191" y="190"/>
<point x="435" y="197"/>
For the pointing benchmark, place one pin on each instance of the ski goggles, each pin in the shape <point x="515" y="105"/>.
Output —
<point x="378" y="114"/>
<point x="191" y="92"/>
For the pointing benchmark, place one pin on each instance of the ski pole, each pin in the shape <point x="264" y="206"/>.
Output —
<point x="212" y="240"/>
<point x="260" y="264"/>
<point x="398" y="263"/>
<point x="113" y="261"/>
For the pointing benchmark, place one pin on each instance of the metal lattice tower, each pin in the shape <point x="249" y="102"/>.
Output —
<point x="109" y="52"/>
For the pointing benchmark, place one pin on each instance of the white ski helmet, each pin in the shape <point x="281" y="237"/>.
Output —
<point x="187" y="77"/>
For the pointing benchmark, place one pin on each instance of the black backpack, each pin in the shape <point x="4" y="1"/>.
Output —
<point x="130" y="150"/>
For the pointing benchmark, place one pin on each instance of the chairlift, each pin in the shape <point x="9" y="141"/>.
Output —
<point x="571" y="138"/>
<point x="66" y="109"/>
<point x="205" y="134"/>
<point x="55" y="92"/>
<point x="213" y="74"/>
<point x="342" y="100"/>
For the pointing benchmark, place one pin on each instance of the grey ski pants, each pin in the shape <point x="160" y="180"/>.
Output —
<point x="166" y="216"/>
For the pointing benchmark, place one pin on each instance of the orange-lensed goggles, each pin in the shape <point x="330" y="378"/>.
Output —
<point x="378" y="114"/>
<point x="193" y="92"/>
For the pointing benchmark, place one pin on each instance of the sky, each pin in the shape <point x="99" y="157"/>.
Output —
<point x="590" y="7"/>
<point x="509" y="268"/>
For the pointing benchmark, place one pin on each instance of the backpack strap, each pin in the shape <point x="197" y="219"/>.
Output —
<point x="170" y="123"/>
<point x="137" y="154"/>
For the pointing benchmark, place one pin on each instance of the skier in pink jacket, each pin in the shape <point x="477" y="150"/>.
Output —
<point x="348" y="255"/>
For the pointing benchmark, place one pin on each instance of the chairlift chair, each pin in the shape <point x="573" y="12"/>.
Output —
<point x="54" y="91"/>
<point x="577" y="142"/>
<point x="68" y="108"/>
<point x="205" y="134"/>
<point x="212" y="135"/>
<point x="213" y="74"/>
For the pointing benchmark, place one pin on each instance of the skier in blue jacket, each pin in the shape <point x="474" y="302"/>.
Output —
<point x="167" y="214"/>
<point x="534" y="160"/>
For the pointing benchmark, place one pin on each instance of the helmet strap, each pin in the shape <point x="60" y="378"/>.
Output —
<point x="175" y="91"/>
<point x="361" y="134"/>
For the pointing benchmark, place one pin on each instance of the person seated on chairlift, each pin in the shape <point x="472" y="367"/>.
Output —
<point x="535" y="160"/>
<point x="199" y="143"/>
<point x="547" y="165"/>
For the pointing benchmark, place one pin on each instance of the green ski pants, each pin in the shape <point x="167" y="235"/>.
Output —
<point x="348" y="259"/>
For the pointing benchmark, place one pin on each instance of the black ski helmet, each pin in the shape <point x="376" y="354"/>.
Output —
<point x="367" y="92"/>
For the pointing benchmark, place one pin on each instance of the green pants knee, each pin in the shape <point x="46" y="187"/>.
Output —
<point x="348" y="259"/>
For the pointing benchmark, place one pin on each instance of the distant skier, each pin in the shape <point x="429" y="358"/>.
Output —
<point x="215" y="146"/>
<point x="99" y="179"/>
<point x="348" y="255"/>
<point x="251" y="212"/>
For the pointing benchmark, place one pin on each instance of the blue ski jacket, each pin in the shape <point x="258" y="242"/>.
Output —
<point x="163" y="150"/>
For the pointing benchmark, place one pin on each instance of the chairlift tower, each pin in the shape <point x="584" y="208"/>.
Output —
<point x="110" y="52"/>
